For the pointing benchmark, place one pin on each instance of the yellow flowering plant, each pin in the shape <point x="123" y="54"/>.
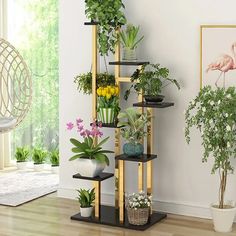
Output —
<point x="108" y="97"/>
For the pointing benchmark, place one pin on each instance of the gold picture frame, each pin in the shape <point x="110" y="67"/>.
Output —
<point x="215" y="40"/>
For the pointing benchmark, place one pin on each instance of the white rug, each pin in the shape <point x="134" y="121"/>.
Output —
<point x="22" y="186"/>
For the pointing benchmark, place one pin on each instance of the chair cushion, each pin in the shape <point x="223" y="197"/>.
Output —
<point x="7" y="123"/>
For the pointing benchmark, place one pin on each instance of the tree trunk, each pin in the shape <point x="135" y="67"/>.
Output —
<point x="222" y="188"/>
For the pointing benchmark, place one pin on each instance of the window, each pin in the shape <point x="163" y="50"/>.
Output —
<point x="32" y="27"/>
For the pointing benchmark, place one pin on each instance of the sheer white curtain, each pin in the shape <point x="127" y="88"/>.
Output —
<point x="4" y="138"/>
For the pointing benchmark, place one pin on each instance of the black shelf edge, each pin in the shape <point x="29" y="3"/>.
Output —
<point x="104" y="125"/>
<point x="128" y="63"/>
<point x="110" y="216"/>
<point x="91" y="23"/>
<point x="142" y="158"/>
<point x="154" y="105"/>
<point x="101" y="177"/>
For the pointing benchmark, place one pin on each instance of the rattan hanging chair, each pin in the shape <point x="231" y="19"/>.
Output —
<point x="15" y="87"/>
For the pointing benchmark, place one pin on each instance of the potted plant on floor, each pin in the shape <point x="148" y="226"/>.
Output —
<point x="84" y="81"/>
<point x="54" y="159"/>
<point x="92" y="158"/>
<point x="149" y="81"/>
<point x="129" y="40"/>
<point x="108" y="104"/>
<point x="86" y="199"/>
<point x="132" y="124"/>
<point x="39" y="156"/>
<point x="138" y="208"/>
<point x="213" y="113"/>
<point x="22" y="156"/>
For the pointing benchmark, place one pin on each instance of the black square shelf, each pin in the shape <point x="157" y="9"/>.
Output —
<point x="154" y="105"/>
<point x="128" y="63"/>
<point x="101" y="177"/>
<point x="91" y="23"/>
<point x="104" y="125"/>
<point x="110" y="216"/>
<point x="142" y="158"/>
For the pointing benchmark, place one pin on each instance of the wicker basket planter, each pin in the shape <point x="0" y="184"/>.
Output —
<point x="138" y="216"/>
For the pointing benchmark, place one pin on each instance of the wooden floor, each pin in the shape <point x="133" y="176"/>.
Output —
<point x="51" y="216"/>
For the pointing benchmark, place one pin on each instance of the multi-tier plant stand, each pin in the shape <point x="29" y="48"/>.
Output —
<point x="109" y="215"/>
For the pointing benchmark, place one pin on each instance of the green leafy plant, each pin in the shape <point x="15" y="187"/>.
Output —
<point x="54" y="157"/>
<point x="22" y="154"/>
<point x="213" y="112"/>
<point x="86" y="197"/>
<point x="129" y="36"/>
<point x="132" y="123"/>
<point x="84" y="81"/>
<point x="39" y="155"/>
<point x="88" y="149"/>
<point x="109" y="15"/>
<point x="150" y="81"/>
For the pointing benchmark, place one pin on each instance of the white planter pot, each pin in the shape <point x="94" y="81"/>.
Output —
<point x="223" y="218"/>
<point x="55" y="169"/>
<point x="21" y="165"/>
<point x="86" y="212"/>
<point x="38" y="167"/>
<point x="90" y="168"/>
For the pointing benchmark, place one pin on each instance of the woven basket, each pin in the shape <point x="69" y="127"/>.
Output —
<point x="139" y="216"/>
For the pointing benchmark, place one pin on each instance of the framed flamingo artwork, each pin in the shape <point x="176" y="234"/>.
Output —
<point x="218" y="55"/>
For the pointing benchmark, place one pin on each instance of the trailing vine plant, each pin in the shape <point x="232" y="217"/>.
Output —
<point x="109" y="16"/>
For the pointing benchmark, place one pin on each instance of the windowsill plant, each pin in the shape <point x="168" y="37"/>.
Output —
<point x="22" y="156"/>
<point x="92" y="157"/>
<point x="39" y="156"/>
<point x="108" y="104"/>
<point x="54" y="159"/>
<point x="86" y="199"/>
<point x="151" y="82"/>
<point x="138" y="208"/>
<point x="133" y="123"/>
<point x="129" y="40"/>
<point x="213" y="113"/>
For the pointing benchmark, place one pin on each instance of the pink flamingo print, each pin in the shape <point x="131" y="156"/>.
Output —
<point x="224" y="64"/>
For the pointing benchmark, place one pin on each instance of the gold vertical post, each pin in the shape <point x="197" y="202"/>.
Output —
<point x="121" y="190"/>
<point x="97" y="188"/>
<point x="94" y="71"/>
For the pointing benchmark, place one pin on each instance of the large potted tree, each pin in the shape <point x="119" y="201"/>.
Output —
<point x="91" y="157"/>
<point x="213" y="112"/>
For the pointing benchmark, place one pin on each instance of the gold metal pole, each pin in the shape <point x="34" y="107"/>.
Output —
<point x="97" y="187"/>
<point x="94" y="71"/>
<point x="121" y="190"/>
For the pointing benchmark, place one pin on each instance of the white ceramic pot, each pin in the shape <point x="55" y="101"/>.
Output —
<point x="38" y="167"/>
<point x="90" y="168"/>
<point x="223" y="218"/>
<point x="55" y="169"/>
<point x="86" y="211"/>
<point x="21" y="165"/>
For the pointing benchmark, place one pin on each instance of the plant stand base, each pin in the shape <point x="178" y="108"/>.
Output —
<point x="110" y="216"/>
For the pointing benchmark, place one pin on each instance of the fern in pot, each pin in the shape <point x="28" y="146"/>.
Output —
<point x="213" y="112"/>
<point x="54" y="159"/>
<point x="39" y="156"/>
<point x="86" y="199"/>
<point x="91" y="157"/>
<point x="132" y="124"/>
<point x="129" y="40"/>
<point x="22" y="156"/>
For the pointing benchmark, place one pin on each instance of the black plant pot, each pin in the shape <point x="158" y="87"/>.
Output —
<point x="153" y="99"/>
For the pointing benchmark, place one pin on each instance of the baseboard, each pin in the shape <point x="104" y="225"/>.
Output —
<point x="179" y="208"/>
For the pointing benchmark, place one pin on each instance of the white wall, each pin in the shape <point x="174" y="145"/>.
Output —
<point x="182" y="184"/>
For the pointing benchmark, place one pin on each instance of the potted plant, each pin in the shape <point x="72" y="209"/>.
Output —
<point x="213" y="113"/>
<point x="109" y="16"/>
<point x="132" y="123"/>
<point x="84" y="81"/>
<point x="90" y="155"/>
<point x="54" y="159"/>
<point x="129" y="40"/>
<point x="138" y="208"/>
<point x="39" y="156"/>
<point x="108" y="104"/>
<point x="151" y="82"/>
<point x="86" y="199"/>
<point x="22" y="156"/>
